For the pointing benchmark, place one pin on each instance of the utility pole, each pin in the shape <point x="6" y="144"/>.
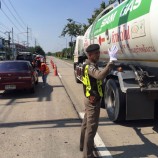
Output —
<point x="13" y="46"/>
<point x="27" y="36"/>
<point x="12" y="36"/>
<point x="9" y="37"/>
<point x="35" y="42"/>
<point x="8" y="44"/>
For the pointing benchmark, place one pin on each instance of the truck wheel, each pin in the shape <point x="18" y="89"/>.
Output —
<point x="115" y="101"/>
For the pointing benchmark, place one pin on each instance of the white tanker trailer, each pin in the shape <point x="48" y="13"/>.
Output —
<point x="131" y="89"/>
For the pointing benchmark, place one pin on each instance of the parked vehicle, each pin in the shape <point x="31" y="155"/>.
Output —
<point x="2" y="55"/>
<point x="131" y="89"/>
<point x="28" y="56"/>
<point x="17" y="74"/>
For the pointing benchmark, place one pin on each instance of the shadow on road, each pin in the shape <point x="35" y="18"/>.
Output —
<point x="40" y="93"/>
<point x="59" y="123"/>
<point x="143" y="150"/>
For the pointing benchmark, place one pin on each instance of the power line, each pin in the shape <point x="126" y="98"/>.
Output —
<point x="4" y="26"/>
<point x="3" y="29"/>
<point x="17" y="13"/>
<point x="2" y="32"/>
<point x="10" y="20"/>
<point x="9" y="11"/>
<point x="2" y="36"/>
<point x="12" y="14"/>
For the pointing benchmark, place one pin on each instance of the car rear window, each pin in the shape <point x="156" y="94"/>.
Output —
<point x="24" y="57"/>
<point x="13" y="66"/>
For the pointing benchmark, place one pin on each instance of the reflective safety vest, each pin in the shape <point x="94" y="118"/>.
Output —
<point x="46" y="69"/>
<point x="86" y="82"/>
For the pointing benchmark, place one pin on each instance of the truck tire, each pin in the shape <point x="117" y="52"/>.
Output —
<point x="115" y="101"/>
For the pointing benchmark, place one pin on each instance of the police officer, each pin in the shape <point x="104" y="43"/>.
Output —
<point x="92" y="85"/>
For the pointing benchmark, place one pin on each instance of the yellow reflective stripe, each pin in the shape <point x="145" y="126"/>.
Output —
<point x="83" y="80"/>
<point x="99" y="83"/>
<point x="88" y="85"/>
<point x="86" y="82"/>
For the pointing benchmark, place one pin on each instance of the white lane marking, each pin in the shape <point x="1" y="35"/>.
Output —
<point x="101" y="148"/>
<point x="59" y="75"/>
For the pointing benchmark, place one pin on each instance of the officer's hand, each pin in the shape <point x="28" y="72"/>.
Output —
<point x="113" y="53"/>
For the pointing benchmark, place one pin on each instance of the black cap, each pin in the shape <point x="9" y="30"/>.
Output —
<point x="92" y="48"/>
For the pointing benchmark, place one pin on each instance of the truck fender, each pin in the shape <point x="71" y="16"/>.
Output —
<point x="126" y="79"/>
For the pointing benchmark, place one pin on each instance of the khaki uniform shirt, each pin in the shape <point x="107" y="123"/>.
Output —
<point x="94" y="72"/>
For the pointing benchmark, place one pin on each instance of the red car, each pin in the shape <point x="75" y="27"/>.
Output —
<point x="17" y="74"/>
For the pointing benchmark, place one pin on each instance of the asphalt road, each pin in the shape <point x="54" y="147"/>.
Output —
<point x="40" y="125"/>
<point x="131" y="139"/>
<point x="47" y="124"/>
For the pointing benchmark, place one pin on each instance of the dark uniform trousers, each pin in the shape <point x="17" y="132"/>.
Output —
<point x="89" y="127"/>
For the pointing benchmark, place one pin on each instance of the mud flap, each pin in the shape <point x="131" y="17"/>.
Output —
<point x="139" y="105"/>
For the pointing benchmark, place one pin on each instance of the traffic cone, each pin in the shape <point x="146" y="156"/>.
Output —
<point x="55" y="70"/>
<point x="51" y="61"/>
<point x="52" y="64"/>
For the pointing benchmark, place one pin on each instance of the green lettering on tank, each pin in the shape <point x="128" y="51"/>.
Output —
<point x="127" y="11"/>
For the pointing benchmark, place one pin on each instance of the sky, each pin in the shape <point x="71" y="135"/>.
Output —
<point x="45" y="20"/>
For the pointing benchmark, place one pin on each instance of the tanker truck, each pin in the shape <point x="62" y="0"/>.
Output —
<point x="131" y="88"/>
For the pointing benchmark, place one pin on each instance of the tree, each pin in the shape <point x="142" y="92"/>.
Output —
<point x="39" y="50"/>
<point x="72" y="29"/>
<point x="36" y="49"/>
<point x="112" y="1"/>
<point x="30" y="49"/>
<point x="96" y="12"/>
<point x="49" y="54"/>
